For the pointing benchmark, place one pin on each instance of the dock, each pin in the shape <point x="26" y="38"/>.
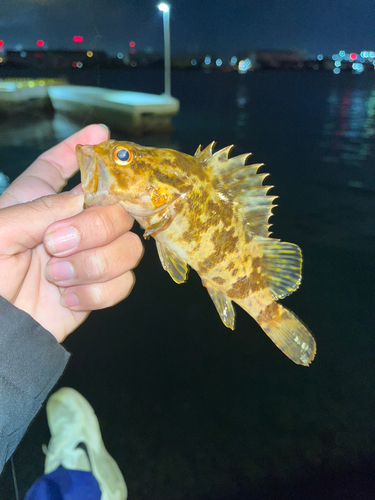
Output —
<point x="133" y="112"/>
<point x="25" y="95"/>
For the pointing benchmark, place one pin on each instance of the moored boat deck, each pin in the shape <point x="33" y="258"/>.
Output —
<point x="133" y="112"/>
<point x="26" y="94"/>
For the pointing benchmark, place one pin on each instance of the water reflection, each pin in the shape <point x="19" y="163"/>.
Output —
<point x="242" y="115"/>
<point x="40" y="132"/>
<point x="350" y="127"/>
<point x="344" y="209"/>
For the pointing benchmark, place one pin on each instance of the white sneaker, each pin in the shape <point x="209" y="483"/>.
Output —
<point x="72" y="421"/>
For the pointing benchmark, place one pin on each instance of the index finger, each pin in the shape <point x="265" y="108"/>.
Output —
<point x="95" y="227"/>
<point x="59" y="163"/>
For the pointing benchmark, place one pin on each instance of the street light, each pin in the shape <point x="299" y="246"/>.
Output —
<point x="167" y="48"/>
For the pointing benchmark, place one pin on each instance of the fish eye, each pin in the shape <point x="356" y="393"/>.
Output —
<point x="122" y="155"/>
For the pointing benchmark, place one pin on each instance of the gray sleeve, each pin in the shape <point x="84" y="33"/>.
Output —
<point x="31" y="362"/>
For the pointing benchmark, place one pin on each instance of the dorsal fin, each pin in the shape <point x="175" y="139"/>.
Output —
<point x="206" y="153"/>
<point x="243" y="185"/>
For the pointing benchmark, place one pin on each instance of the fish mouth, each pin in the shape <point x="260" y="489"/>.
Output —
<point x="86" y="162"/>
<point x="94" y="177"/>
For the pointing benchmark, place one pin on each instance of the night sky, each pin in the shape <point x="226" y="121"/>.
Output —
<point x="220" y="28"/>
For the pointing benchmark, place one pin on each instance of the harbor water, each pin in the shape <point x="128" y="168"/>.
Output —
<point x="188" y="408"/>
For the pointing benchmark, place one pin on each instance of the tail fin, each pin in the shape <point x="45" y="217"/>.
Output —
<point x="289" y="334"/>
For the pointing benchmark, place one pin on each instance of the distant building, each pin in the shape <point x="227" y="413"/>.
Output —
<point x="279" y="59"/>
<point x="50" y="59"/>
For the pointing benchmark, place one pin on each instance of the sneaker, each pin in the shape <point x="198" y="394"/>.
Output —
<point x="76" y="443"/>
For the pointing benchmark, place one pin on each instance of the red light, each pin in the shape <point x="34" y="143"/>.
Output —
<point x="132" y="44"/>
<point x="1" y="43"/>
<point x="353" y="56"/>
<point x="78" y="39"/>
<point x="40" y="43"/>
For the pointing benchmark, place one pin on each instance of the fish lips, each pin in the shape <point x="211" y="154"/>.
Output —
<point x="94" y="177"/>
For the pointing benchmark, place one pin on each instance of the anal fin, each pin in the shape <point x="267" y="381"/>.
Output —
<point x="171" y="262"/>
<point x="224" y="307"/>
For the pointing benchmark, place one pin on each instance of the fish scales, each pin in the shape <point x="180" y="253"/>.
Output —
<point x="209" y="212"/>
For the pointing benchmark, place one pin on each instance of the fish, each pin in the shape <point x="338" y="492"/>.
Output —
<point x="209" y="212"/>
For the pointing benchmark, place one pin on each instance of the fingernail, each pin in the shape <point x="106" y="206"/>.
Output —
<point x="60" y="271"/>
<point x="69" y="300"/>
<point x="61" y="240"/>
<point x="107" y="128"/>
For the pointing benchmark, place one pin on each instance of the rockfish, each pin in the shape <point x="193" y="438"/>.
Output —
<point x="209" y="212"/>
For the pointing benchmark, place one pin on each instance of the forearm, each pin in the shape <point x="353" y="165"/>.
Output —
<point x="31" y="362"/>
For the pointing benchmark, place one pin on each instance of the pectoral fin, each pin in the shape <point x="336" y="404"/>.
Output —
<point x="171" y="262"/>
<point x="224" y="307"/>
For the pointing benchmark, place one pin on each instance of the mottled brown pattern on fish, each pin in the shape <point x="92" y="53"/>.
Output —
<point x="210" y="212"/>
<point x="170" y="180"/>
<point x="258" y="275"/>
<point x="241" y="288"/>
<point x="190" y="165"/>
<point x="230" y="266"/>
<point x="219" y="280"/>
<point x="200" y="218"/>
<point x="222" y="212"/>
<point x="225" y="243"/>
<point x="269" y="314"/>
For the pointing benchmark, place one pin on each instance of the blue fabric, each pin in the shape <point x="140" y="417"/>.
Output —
<point x="63" y="484"/>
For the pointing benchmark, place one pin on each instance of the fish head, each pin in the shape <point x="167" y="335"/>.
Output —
<point x="145" y="180"/>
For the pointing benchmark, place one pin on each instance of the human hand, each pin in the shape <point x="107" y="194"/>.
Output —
<point x="58" y="262"/>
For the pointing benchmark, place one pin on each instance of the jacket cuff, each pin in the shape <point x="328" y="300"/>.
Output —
<point x="30" y="357"/>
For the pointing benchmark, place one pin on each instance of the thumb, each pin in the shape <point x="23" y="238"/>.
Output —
<point x="23" y="225"/>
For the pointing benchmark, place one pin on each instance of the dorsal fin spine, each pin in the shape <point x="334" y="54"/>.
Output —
<point x="243" y="185"/>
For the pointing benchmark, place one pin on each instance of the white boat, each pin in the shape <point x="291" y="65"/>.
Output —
<point x="134" y="112"/>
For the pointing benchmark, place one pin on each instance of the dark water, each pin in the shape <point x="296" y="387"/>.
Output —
<point x="189" y="409"/>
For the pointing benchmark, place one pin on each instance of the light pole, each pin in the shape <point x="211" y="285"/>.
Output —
<point x="167" y="48"/>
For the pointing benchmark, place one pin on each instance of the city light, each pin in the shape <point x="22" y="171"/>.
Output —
<point x="342" y="61"/>
<point x="357" y="67"/>
<point x="244" y="66"/>
<point x="163" y="7"/>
